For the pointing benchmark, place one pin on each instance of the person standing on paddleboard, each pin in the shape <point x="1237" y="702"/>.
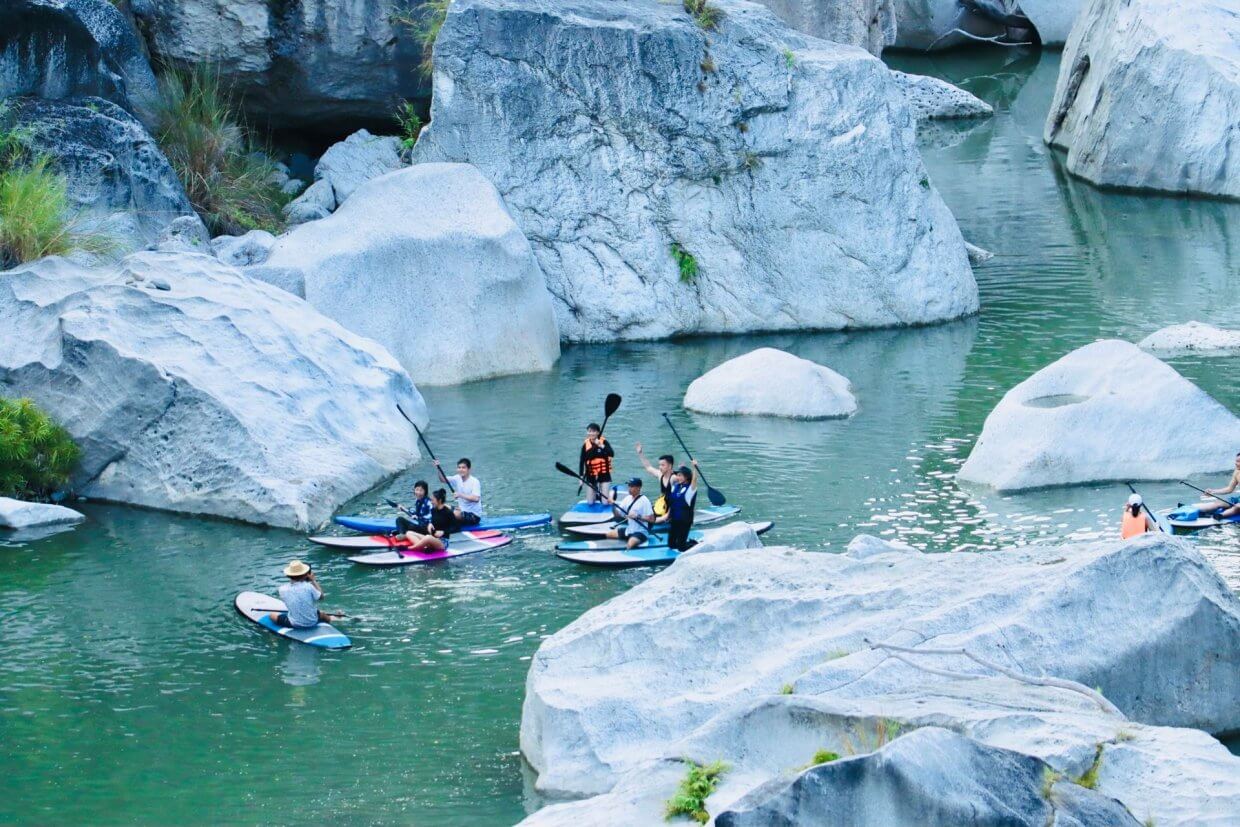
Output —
<point x="419" y="515"/>
<point x="1210" y="506"/>
<point x="640" y="514"/>
<point x="595" y="463"/>
<point x="680" y="504"/>
<point x="468" y="491"/>
<point x="443" y="523"/>
<point x="663" y="474"/>
<point x="301" y="596"/>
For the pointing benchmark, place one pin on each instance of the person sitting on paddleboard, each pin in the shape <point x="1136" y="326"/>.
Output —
<point x="595" y="462"/>
<point x="443" y="523"/>
<point x="468" y="491"/>
<point x="1224" y="511"/>
<point x="418" y="517"/>
<point x="636" y="528"/>
<point x="681" y="500"/>
<point x="1135" y="521"/>
<point x="663" y="474"/>
<point x="301" y="596"/>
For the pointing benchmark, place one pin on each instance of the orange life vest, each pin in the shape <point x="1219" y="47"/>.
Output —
<point x="1132" y="526"/>
<point x="596" y="466"/>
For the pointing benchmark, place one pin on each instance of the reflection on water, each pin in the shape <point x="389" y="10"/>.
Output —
<point x="131" y="690"/>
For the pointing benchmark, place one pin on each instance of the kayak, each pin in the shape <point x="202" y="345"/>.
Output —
<point x="458" y="545"/>
<point x="256" y="607"/>
<point x="466" y="540"/>
<point x="380" y="525"/>
<point x="1187" y="518"/>
<point x="658" y="541"/>
<point x="621" y="558"/>
<point x="703" y="516"/>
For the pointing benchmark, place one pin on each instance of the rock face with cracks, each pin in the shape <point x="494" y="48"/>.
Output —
<point x="192" y="388"/>
<point x="452" y="288"/>
<point x="1149" y="96"/>
<point x="770" y="382"/>
<point x="749" y="178"/>
<point x="869" y="24"/>
<point x="1106" y="411"/>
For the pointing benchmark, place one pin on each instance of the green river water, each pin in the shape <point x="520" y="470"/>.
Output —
<point x="131" y="692"/>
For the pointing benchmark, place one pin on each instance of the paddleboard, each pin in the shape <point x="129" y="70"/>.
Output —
<point x="658" y="541"/>
<point x="584" y="513"/>
<point x="467" y="540"/>
<point x="256" y="607"/>
<point x="703" y="516"/>
<point x="1188" y="518"/>
<point x="380" y="525"/>
<point x="458" y="545"/>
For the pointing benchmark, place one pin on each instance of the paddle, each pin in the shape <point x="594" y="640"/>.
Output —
<point x="716" y="497"/>
<point x="610" y="405"/>
<point x="1207" y="493"/>
<point x="427" y="446"/>
<point x="1148" y="513"/>
<point x="564" y="469"/>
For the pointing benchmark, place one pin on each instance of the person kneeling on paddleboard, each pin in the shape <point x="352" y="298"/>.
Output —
<point x="663" y="474"/>
<point x="443" y="523"/>
<point x="301" y="596"/>
<point x="1224" y="512"/>
<point x="595" y="462"/>
<point x="418" y="516"/>
<point x="468" y="491"/>
<point x="640" y="514"/>
<point x="1135" y="521"/>
<point x="681" y="500"/>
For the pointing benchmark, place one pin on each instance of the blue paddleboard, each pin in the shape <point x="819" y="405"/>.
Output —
<point x="623" y="558"/>
<point x="256" y="608"/>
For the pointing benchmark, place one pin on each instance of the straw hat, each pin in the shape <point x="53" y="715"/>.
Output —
<point x="296" y="569"/>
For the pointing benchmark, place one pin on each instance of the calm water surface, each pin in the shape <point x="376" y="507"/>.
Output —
<point x="131" y="692"/>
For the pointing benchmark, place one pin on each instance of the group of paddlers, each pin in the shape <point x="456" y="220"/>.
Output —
<point x="1138" y="520"/>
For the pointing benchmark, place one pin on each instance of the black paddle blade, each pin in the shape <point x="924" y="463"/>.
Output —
<point x="715" y="496"/>
<point x="611" y="404"/>
<point x="564" y="469"/>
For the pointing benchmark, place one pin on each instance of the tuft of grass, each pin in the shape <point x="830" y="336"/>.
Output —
<point x="1049" y="779"/>
<point x="787" y="689"/>
<point x="1124" y="735"/>
<point x="37" y="455"/>
<point x="705" y="15"/>
<point x="743" y="126"/>
<point x="870" y="740"/>
<point x="751" y="161"/>
<point x="708" y="65"/>
<point x="686" y="263"/>
<point x="1089" y="779"/>
<point x="230" y="181"/>
<point x="698" y="784"/>
<point x="424" y="20"/>
<point x="924" y="182"/>
<point x="790" y="59"/>
<point x="410" y="124"/>
<point x="824" y="756"/>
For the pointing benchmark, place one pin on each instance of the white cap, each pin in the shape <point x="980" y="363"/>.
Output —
<point x="1135" y="499"/>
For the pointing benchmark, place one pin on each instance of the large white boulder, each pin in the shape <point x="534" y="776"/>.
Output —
<point x="18" y="514"/>
<point x="1106" y="411"/>
<point x="428" y="262"/>
<point x="770" y="382"/>
<point x="869" y="24"/>
<point x="192" y="388"/>
<point x="934" y="99"/>
<point x="1149" y="96"/>
<point x="625" y="682"/>
<point x="1052" y="19"/>
<point x="749" y="178"/>
<point x="1192" y="337"/>
<point x="348" y="164"/>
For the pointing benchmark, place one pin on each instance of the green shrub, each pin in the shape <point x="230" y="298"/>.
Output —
<point x="410" y="124"/>
<point x="231" y="184"/>
<point x="424" y="21"/>
<point x="36" y="455"/>
<point x="686" y="263"/>
<point x="1089" y="779"/>
<point x="698" y="784"/>
<point x="824" y="756"/>
<point x="705" y="15"/>
<point x="787" y="689"/>
<point x="790" y="58"/>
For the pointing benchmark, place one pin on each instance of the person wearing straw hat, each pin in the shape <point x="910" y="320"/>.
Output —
<point x="301" y="596"/>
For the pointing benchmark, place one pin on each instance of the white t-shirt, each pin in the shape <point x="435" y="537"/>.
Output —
<point x="639" y="508"/>
<point x="470" y="486"/>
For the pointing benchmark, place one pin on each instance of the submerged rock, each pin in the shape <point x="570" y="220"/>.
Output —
<point x="749" y="178"/>
<point x="1192" y="337"/>
<point x="1106" y="411"/>
<point x="118" y="179"/>
<point x="869" y="24"/>
<point x="18" y="514"/>
<point x="71" y="49"/>
<point x="218" y="395"/>
<point x="770" y="382"/>
<point x="428" y="262"/>
<point x="934" y="99"/>
<point x="1149" y="96"/>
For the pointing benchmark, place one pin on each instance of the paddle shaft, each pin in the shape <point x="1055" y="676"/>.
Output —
<point x="715" y="496"/>
<point x="1229" y="503"/>
<point x="427" y="446"/>
<point x="564" y="469"/>
<point x="1148" y="513"/>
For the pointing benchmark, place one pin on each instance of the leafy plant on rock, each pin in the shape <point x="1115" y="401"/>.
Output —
<point x="410" y="124"/>
<point x="37" y="455"/>
<point x="698" y="785"/>
<point x="705" y="15"/>
<point x="686" y="263"/>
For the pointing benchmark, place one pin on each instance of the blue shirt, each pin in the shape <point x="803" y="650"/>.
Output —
<point x="302" y="598"/>
<point x="421" y="511"/>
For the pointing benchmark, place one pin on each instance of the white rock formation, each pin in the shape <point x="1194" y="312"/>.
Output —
<point x="318" y="201"/>
<point x="185" y="234"/>
<point x="1149" y="96"/>
<point x="868" y="24"/>
<point x="698" y="662"/>
<point x="732" y="537"/>
<point x="1106" y="411"/>
<point x="344" y="167"/>
<point x="1192" y="337"/>
<point x="770" y="382"/>
<point x="190" y="387"/>
<point x="18" y="514"/>
<point x="934" y="99"/>
<point x="930" y="24"/>
<point x="1052" y="19"/>
<point x="247" y="250"/>
<point x="750" y="178"/>
<point x="428" y="262"/>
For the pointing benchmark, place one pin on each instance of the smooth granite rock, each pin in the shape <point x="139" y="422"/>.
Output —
<point x="770" y="382"/>
<point x="18" y="514"/>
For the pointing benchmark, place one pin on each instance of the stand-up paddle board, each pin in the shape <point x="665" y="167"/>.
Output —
<point x="659" y="555"/>
<point x="656" y="541"/>
<point x="703" y="516"/>
<point x="380" y="525"/>
<point x="1187" y="518"/>
<point x="584" y="513"/>
<point x="256" y="608"/>
<point x="466" y="542"/>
